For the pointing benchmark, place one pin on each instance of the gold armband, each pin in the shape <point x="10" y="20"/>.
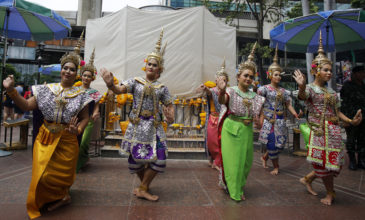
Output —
<point x="79" y="130"/>
<point x="12" y="94"/>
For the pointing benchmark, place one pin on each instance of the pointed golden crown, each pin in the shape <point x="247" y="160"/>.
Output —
<point x="222" y="71"/>
<point x="90" y="65"/>
<point x="249" y="63"/>
<point x="74" y="56"/>
<point x="321" y="59"/>
<point x="158" y="53"/>
<point x="275" y="65"/>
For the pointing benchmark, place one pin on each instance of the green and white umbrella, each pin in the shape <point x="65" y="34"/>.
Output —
<point x="341" y="30"/>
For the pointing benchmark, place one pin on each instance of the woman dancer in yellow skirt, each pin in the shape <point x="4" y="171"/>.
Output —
<point x="56" y="147"/>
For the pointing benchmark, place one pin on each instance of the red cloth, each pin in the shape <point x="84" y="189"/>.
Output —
<point x="27" y="94"/>
<point x="212" y="139"/>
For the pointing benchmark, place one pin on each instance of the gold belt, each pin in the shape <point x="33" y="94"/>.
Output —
<point x="54" y="127"/>
<point x="272" y="120"/>
<point x="146" y="113"/>
<point x="333" y="119"/>
<point x="246" y="121"/>
<point x="278" y="113"/>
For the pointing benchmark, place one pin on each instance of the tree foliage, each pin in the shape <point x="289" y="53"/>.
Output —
<point x="10" y="70"/>
<point x="297" y="10"/>
<point x="358" y="4"/>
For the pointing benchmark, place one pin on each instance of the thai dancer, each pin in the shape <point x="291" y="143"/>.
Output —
<point x="274" y="133"/>
<point x="88" y="74"/>
<point x="240" y="107"/>
<point x="325" y="147"/>
<point x="55" y="152"/>
<point x="145" y="138"/>
<point x="214" y="110"/>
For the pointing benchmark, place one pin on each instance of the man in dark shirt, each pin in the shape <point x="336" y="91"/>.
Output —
<point x="353" y="98"/>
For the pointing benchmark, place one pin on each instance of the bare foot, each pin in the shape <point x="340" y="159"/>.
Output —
<point x="65" y="201"/>
<point x="135" y="191"/>
<point x="275" y="171"/>
<point x="327" y="200"/>
<point x="243" y="197"/>
<point x="215" y="167"/>
<point x="264" y="162"/>
<point x="210" y="163"/>
<point x="146" y="195"/>
<point x="308" y="185"/>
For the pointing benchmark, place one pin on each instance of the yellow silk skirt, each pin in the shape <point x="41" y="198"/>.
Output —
<point x="54" y="168"/>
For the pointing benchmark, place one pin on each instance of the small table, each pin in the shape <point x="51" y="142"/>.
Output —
<point x="23" y="137"/>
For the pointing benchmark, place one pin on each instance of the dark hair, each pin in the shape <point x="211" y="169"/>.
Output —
<point x="357" y="69"/>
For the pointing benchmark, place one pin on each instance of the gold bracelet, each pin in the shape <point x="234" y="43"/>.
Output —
<point x="12" y="94"/>
<point x="349" y="121"/>
<point x="79" y="130"/>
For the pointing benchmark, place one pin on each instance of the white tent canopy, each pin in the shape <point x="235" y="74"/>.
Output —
<point x="196" y="44"/>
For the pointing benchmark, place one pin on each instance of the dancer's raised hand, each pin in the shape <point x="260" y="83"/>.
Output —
<point x="222" y="83"/>
<point x="357" y="118"/>
<point x="73" y="126"/>
<point x="299" y="78"/>
<point x="107" y="77"/>
<point x="8" y="83"/>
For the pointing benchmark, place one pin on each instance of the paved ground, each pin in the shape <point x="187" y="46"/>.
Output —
<point x="188" y="190"/>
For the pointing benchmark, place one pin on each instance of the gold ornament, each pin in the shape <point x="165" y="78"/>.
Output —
<point x="90" y="66"/>
<point x="247" y="103"/>
<point x="157" y="54"/>
<point x="275" y="65"/>
<point x="320" y="59"/>
<point x="74" y="56"/>
<point x="222" y="71"/>
<point x="249" y="63"/>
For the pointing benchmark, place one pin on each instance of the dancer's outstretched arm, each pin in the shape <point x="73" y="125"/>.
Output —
<point x="109" y="81"/>
<point x="222" y="84"/>
<point x="24" y="104"/>
<point x="356" y="119"/>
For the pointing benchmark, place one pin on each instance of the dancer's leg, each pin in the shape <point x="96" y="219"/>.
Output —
<point x="328" y="183"/>
<point x="307" y="181"/>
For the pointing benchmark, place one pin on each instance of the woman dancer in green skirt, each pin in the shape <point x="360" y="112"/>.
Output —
<point x="88" y="73"/>
<point x="240" y="108"/>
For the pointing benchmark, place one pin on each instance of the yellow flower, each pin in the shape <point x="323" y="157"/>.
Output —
<point x="143" y="68"/>
<point x="121" y="99"/>
<point x="116" y="82"/>
<point x="210" y="84"/>
<point x="130" y="97"/>
<point x="176" y="101"/>
<point x="78" y="83"/>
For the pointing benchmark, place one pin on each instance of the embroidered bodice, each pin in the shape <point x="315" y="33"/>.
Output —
<point x="59" y="104"/>
<point x="274" y="99"/>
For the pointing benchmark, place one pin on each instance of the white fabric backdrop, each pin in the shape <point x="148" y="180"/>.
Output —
<point x="196" y="44"/>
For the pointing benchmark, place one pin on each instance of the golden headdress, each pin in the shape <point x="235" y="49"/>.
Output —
<point x="321" y="59"/>
<point x="249" y="63"/>
<point x="275" y="65"/>
<point x="74" y="56"/>
<point x="222" y="71"/>
<point x="90" y="66"/>
<point x="157" y="54"/>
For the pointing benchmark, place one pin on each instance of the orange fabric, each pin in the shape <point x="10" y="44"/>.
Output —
<point x="54" y="168"/>
<point x="212" y="106"/>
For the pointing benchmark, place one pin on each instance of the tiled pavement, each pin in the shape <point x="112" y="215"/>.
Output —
<point x="188" y="190"/>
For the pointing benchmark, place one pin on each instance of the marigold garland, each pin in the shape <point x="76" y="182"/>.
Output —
<point x="210" y="84"/>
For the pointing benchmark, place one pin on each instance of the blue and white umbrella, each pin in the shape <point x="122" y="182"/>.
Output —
<point x="50" y="69"/>
<point x="341" y="31"/>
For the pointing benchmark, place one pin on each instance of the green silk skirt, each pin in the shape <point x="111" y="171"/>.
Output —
<point x="237" y="154"/>
<point x="84" y="146"/>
